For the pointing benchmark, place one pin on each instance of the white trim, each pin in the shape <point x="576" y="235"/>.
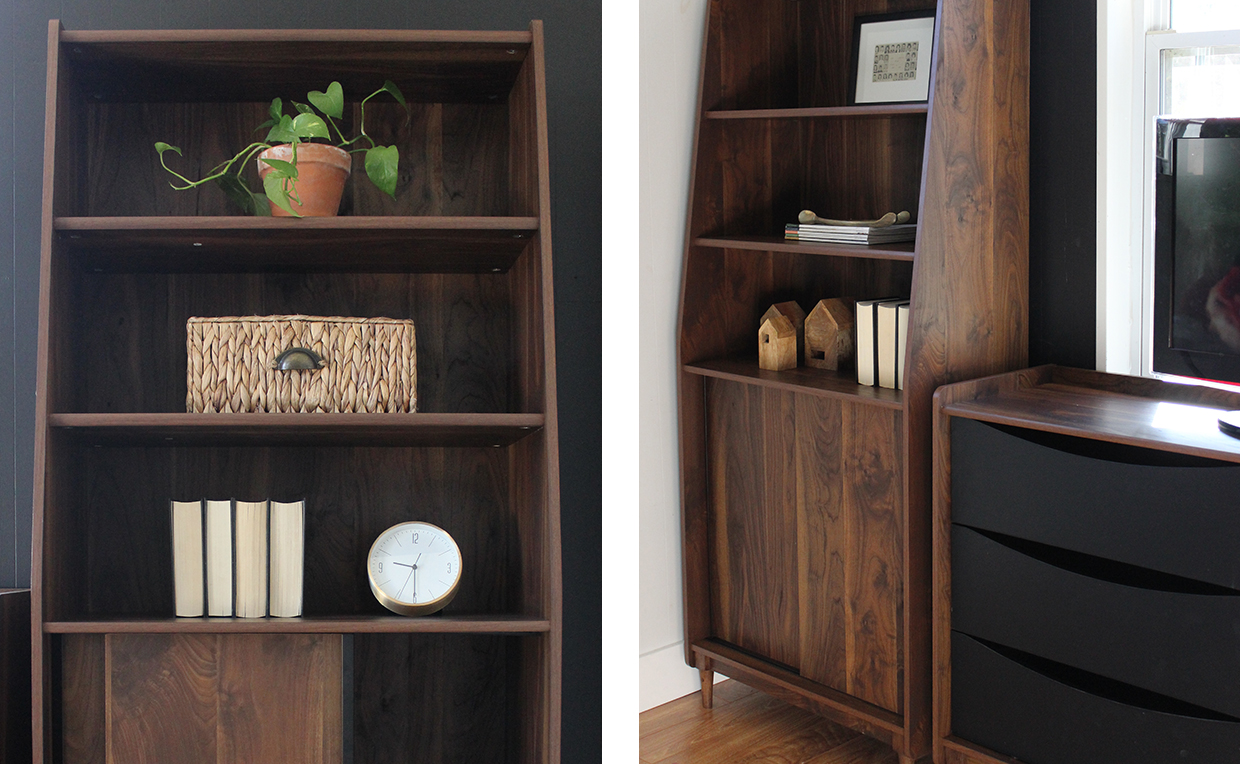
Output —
<point x="1155" y="44"/>
<point x="1120" y="212"/>
<point x="666" y="676"/>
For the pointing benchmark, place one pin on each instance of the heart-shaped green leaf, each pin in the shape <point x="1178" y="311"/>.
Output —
<point x="309" y="126"/>
<point x="302" y="108"/>
<point x="390" y="87"/>
<point x="330" y="103"/>
<point x="282" y="131"/>
<point x="276" y="109"/>
<point x="277" y="193"/>
<point x="249" y="202"/>
<point x="161" y="147"/>
<point x="381" y="165"/>
<point x="281" y="168"/>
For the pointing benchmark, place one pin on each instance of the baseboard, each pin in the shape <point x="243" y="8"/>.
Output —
<point x="664" y="676"/>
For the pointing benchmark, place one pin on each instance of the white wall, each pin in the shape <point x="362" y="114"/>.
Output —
<point x="671" y="48"/>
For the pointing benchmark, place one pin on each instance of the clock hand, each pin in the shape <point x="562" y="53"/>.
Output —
<point x="403" y="565"/>
<point x="402" y="586"/>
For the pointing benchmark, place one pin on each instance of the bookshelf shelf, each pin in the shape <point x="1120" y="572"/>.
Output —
<point x="379" y="624"/>
<point x="223" y="244"/>
<point x="902" y="251"/>
<point x="292" y="429"/>
<point x="802" y="380"/>
<point x="822" y="112"/>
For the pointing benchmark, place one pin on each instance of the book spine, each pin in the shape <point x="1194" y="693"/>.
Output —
<point x="219" y="562"/>
<point x="288" y="527"/>
<point x="250" y="527"/>
<point x="866" y="350"/>
<point x="188" y="565"/>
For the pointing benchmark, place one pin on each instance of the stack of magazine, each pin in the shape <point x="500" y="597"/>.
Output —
<point x="850" y="234"/>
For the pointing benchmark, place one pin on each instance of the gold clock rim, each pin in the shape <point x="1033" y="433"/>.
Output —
<point x="410" y="608"/>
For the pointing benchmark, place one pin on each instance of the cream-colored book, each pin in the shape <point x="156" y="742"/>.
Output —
<point x="250" y="558"/>
<point x="188" y="568"/>
<point x="219" y="546"/>
<point x="288" y="544"/>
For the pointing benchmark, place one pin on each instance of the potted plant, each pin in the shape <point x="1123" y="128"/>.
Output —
<point x="301" y="177"/>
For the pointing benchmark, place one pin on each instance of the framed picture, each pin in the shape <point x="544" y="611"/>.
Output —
<point x="891" y="60"/>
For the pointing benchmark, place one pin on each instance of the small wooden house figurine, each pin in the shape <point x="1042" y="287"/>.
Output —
<point x="791" y="311"/>
<point x="777" y="344"/>
<point x="829" y="337"/>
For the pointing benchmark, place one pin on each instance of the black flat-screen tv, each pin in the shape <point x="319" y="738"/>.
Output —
<point x="1197" y="249"/>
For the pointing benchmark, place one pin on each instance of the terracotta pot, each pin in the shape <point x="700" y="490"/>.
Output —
<point x="321" y="173"/>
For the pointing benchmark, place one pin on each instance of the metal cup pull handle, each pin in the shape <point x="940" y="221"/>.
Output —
<point x="298" y="359"/>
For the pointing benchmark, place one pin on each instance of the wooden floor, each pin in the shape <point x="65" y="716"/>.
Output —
<point x="748" y="726"/>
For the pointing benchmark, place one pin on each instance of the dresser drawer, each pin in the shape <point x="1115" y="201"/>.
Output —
<point x="1043" y="601"/>
<point x="1015" y="710"/>
<point x="1137" y="506"/>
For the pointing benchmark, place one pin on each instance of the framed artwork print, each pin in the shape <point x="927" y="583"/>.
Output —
<point x="892" y="57"/>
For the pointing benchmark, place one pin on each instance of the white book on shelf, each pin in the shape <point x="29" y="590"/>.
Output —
<point x="188" y="566"/>
<point x="867" y="340"/>
<point x="250" y="558"/>
<point x="288" y="543"/>
<point x="886" y="330"/>
<point x="901" y="343"/>
<point x="219" y="546"/>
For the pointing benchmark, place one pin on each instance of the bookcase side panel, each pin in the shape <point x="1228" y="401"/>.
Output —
<point x="81" y="699"/>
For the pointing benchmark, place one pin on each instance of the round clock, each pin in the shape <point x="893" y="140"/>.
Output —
<point x="414" y="568"/>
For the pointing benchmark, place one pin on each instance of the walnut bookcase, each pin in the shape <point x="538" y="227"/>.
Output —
<point x="806" y="497"/>
<point x="464" y="251"/>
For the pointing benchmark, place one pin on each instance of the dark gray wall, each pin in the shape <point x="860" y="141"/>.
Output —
<point x="1063" y="120"/>
<point x="573" y="31"/>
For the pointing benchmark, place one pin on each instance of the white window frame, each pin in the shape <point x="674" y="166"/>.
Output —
<point x="1132" y="34"/>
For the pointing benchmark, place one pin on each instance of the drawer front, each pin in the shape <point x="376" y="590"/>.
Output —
<point x="1015" y="710"/>
<point x="1180" y="644"/>
<point x="1183" y="520"/>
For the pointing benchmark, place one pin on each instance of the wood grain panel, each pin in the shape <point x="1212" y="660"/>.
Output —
<point x="407" y="708"/>
<point x="161" y="701"/>
<point x="83" y="699"/>
<point x="280" y="698"/>
<point x="751" y="436"/>
<point x="875" y="589"/>
<point x="755" y="54"/>
<point x="822" y="533"/>
<point x="453" y="160"/>
<point x="262" y="699"/>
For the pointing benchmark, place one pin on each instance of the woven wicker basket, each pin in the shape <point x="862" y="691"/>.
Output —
<point x="368" y="365"/>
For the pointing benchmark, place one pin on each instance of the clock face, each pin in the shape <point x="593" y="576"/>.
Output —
<point x="414" y="568"/>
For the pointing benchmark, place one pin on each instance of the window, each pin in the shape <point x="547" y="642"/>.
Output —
<point x="1204" y="15"/>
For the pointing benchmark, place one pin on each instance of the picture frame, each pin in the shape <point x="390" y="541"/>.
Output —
<point x="891" y="57"/>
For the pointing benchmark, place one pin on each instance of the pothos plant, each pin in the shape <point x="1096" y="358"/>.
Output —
<point x="306" y="126"/>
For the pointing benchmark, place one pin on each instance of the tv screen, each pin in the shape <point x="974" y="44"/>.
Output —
<point x="1197" y="249"/>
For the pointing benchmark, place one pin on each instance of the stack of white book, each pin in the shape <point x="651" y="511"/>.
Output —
<point x="238" y="558"/>
<point x="882" y="333"/>
<point x="850" y="234"/>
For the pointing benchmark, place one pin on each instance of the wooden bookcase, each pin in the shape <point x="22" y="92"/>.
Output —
<point x="464" y="251"/>
<point x="806" y="497"/>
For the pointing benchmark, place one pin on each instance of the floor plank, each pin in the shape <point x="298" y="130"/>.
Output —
<point x="746" y="727"/>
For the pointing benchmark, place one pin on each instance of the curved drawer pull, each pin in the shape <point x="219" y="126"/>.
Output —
<point x="298" y="359"/>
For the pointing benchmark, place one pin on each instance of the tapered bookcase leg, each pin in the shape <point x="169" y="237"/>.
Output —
<point x="708" y="681"/>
